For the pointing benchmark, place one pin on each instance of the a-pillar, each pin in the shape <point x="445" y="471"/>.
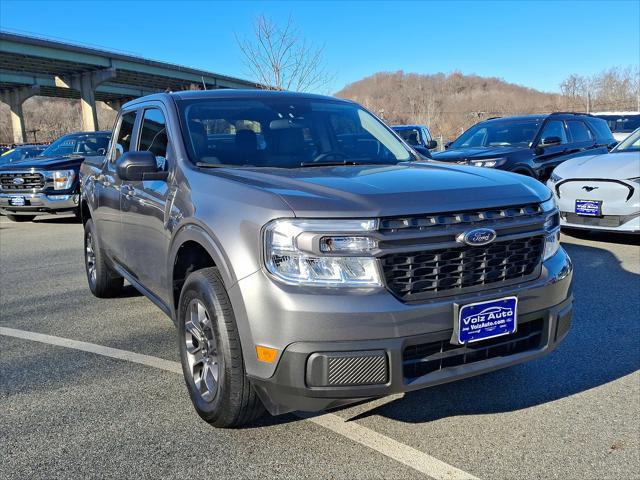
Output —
<point x="15" y="97"/>
<point x="86" y="83"/>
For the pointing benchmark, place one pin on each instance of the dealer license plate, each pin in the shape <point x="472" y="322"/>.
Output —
<point x="483" y="320"/>
<point x="590" y="208"/>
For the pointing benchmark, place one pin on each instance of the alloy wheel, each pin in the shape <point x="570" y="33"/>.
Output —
<point x="202" y="350"/>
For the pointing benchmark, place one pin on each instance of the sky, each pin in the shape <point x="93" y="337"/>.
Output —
<point x="536" y="44"/>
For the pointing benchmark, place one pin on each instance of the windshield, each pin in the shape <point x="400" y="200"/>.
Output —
<point x="629" y="144"/>
<point x="409" y="135"/>
<point x="19" y="154"/>
<point x="499" y="133"/>
<point x="285" y="132"/>
<point x="622" y="123"/>
<point x="87" y="145"/>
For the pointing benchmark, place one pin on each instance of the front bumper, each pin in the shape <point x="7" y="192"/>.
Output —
<point x="38" y="203"/>
<point x="302" y="322"/>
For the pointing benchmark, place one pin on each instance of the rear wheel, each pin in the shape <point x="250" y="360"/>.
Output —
<point x="21" y="218"/>
<point x="211" y="355"/>
<point x="104" y="282"/>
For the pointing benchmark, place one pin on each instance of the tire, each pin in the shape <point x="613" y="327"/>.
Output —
<point x="21" y="218"/>
<point x="104" y="282"/>
<point x="210" y="346"/>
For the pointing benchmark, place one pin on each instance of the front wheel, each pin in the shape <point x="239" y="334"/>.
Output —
<point x="21" y="218"/>
<point x="211" y="355"/>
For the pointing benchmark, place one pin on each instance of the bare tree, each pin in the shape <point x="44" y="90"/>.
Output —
<point x="280" y="59"/>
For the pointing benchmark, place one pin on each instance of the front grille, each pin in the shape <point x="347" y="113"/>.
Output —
<point x="31" y="181"/>
<point x="419" y="360"/>
<point x="417" y="275"/>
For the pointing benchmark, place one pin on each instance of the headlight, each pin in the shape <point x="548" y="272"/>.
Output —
<point x="551" y="244"/>
<point x="308" y="252"/>
<point x="552" y="227"/>
<point x="63" y="179"/>
<point x="488" y="162"/>
<point x="555" y="178"/>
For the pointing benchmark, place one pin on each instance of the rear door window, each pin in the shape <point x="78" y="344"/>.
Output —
<point x="579" y="131"/>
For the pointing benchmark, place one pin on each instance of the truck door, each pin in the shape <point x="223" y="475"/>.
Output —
<point x="146" y="208"/>
<point x="107" y="216"/>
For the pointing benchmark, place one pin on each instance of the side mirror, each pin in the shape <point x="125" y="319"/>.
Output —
<point x="134" y="166"/>
<point x="432" y="144"/>
<point x="101" y="151"/>
<point x="549" y="141"/>
<point x="422" y="151"/>
<point x="447" y="145"/>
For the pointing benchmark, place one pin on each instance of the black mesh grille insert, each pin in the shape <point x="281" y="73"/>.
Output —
<point x="411" y="275"/>
<point x="419" y="360"/>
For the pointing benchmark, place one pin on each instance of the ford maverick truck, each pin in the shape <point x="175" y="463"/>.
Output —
<point x="309" y="258"/>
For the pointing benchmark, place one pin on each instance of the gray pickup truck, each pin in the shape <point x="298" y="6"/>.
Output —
<point x="310" y="259"/>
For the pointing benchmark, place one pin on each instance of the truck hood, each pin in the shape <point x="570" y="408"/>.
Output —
<point x="456" y="154"/>
<point x="618" y="166"/>
<point x="402" y="189"/>
<point x="45" y="163"/>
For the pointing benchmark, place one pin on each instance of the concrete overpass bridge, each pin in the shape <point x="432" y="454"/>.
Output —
<point x="33" y="66"/>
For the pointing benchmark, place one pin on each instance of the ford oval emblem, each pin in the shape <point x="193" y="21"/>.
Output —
<point x="477" y="237"/>
<point x="18" y="181"/>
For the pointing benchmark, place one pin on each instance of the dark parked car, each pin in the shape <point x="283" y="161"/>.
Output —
<point x="20" y="153"/>
<point x="49" y="182"/>
<point x="310" y="259"/>
<point x="418" y="136"/>
<point x="531" y="145"/>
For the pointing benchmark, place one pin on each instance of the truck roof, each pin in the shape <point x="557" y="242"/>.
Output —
<point x="228" y="93"/>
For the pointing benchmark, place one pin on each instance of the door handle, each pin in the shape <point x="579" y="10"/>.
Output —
<point x="127" y="190"/>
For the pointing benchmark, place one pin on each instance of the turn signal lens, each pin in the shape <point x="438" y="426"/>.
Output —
<point x="63" y="179"/>
<point x="266" y="354"/>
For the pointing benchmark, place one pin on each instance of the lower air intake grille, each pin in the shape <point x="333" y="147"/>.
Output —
<point x="419" y="360"/>
<point x="347" y="368"/>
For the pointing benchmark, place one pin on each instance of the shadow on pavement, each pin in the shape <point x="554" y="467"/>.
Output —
<point x="59" y="220"/>
<point x="599" y="236"/>
<point x="601" y="347"/>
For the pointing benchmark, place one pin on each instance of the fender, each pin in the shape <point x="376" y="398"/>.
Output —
<point x="199" y="233"/>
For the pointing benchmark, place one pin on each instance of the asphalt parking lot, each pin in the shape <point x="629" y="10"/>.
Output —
<point x="69" y="413"/>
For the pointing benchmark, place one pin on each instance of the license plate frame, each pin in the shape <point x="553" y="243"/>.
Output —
<point x="17" y="201"/>
<point x="588" y="208"/>
<point x="496" y="317"/>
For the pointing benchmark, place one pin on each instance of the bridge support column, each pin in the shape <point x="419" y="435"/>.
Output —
<point x="86" y="83"/>
<point x="15" y="97"/>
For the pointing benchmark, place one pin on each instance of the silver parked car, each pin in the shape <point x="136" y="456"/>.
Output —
<point x="601" y="192"/>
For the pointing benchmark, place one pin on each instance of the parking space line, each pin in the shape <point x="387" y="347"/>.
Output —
<point x="155" y="362"/>
<point x="409" y="456"/>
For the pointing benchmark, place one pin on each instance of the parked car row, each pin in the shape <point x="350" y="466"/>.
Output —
<point x="311" y="256"/>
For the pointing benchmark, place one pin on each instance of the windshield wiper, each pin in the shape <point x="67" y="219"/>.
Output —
<point x="215" y="165"/>
<point x="340" y="163"/>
